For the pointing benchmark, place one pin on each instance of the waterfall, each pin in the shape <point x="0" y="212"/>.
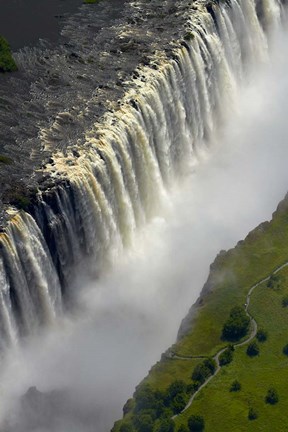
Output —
<point x="119" y="178"/>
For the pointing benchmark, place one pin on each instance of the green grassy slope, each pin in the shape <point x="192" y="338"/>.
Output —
<point x="232" y="275"/>
<point x="228" y="411"/>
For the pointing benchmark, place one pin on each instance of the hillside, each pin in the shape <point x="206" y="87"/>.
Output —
<point x="232" y="275"/>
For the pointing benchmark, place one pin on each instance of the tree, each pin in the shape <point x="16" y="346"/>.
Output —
<point x="203" y="370"/>
<point x="272" y="396"/>
<point x="235" y="386"/>
<point x="252" y="349"/>
<point x="261" y="335"/>
<point x="144" y="398"/>
<point x="210" y="364"/>
<point x="196" y="423"/>
<point x="129" y="405"/>
<point x="177" y="386"/>
<point x="227" y="356"/>
<point x="166" y="425"/>
<point x="7" y="63"/>
<point x="252" y="414"/>
<point x="179" y="402"/>
<point x="285" y="301"/>
<point x="237" y="324"/>
<point x="183" y="428"/>
<point x="274" y="282"/>
<point x="126" y="427"/>
<point x="285" y="350"/>
<point x="143" y="422"/>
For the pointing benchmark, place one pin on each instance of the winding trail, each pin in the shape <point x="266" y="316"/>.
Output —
<point x="216" y="357"/>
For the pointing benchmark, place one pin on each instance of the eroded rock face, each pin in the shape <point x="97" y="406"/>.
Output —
<point x="59" y="93"/>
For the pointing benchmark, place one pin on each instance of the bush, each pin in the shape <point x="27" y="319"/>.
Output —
<point x="272" y="396"/>
<point x="237" y="325"/>
<point x="252" y="349"/>
<point x="183" y="428"/>
<point x="210" y="364"/>
<point x="274" y="282"/>
<point x="202" y="371"/>
<point x="175" y="388"/>
<point x="7" y="63"/>
<point x="179" y="402"/>
<point x="129" y="405"/>
<point x="235" y="386"/>
<point x="227" y="356"/>
<point x="143" y="422"/>
<point x="285" y="301"/>
<point x="126" y="427"/>
<point x="166" y="425"/>
<point x="252" y="414"/>
<point x="285" y="350"/>
<point x="5" y="160"/>
<point x="196" y="423"/>
<point x="144" y="398"/>
<point x="261" y="335"/>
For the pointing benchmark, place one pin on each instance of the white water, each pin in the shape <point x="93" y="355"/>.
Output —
<point x="132" y="313"/>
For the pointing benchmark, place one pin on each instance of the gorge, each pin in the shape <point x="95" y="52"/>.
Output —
<point x="126" y="208"/>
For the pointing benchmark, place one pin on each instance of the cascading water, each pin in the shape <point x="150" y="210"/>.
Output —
<point x="119" y="177"/>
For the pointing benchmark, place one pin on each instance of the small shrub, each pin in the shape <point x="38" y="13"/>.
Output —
<point x="5" y="160"/>
<point x="274" y="282"/>
<point x="128" y="407"/>
<point x="252" y="349"/>
<point x="189" y="36"/>
<point x="285" y="301"/>
<point x="272" y="396"/>
<point x="196" y="423"/>
<point x="261" y="335"/>
<point x="235" y="386"/>
<point x="285" y="350"/>
<point x="252" y="414"/>
<point x="20" y="201"/>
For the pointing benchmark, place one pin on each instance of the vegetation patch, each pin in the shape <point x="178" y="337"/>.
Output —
<point x="5" y="160"/>
<point x="261" y="335"/>
<point x="227" y="356"/>
<point x="237" y="325"/>
<point x="7" y="63"/>
<point x="252" y="414"/>
<point x="252" y="349"/>
<point x="235" y="386"/>
<point x="241" y="388"/>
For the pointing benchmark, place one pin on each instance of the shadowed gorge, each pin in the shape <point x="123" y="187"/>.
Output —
<point x="106" y="130"/>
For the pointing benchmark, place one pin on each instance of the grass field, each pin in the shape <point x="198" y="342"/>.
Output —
<point x="256" y="374"/>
